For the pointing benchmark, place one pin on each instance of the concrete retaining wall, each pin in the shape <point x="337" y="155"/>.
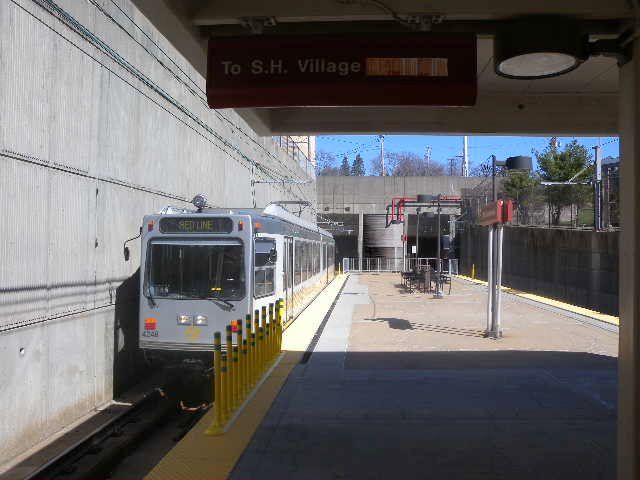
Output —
<point x="577" y="267"/>
<point x="370" y="195"/>
<point x="86" y="149"/>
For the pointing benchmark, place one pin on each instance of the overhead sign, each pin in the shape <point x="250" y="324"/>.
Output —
<point x="496" y="212"/>
<point x="342" y="70"/>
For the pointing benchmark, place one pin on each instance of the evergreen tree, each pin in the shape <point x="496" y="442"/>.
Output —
<point x="345" y="171"/>
<point x="559" y="166"/>
<point x="357" y="167"/>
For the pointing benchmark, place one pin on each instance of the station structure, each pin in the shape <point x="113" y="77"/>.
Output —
<point x="105" y="117"/>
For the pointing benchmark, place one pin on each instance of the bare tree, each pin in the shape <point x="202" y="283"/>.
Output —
<point x="409" y="164"/>
<point x="326" y="164"/>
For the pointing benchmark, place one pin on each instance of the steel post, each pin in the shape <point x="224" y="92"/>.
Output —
<point x="418" y="211"/>
<point x="489" y="279"/>
<point x="439" y="260"/>
<point x="497" y="325"/>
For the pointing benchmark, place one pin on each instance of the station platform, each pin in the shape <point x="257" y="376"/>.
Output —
<point x="403" y="385"/>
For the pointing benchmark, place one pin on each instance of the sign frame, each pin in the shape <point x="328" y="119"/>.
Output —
<point x="399" y="69"/>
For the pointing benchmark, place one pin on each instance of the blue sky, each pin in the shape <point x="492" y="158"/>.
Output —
<point x="444" y="147"/>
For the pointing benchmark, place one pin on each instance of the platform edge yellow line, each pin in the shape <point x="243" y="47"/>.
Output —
<point x="603" y="317"/>
<point x="198" y="456"/>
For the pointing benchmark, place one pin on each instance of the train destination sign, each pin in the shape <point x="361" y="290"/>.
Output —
<point x="342" y="70"/>
<point x="196" y="225"/>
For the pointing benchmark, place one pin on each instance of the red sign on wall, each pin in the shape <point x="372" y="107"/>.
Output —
<point x="342" y="70"/>
<point x="496" y="212"/>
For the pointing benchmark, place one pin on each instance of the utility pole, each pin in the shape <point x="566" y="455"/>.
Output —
<point x="427" y="158"/>
<point x="465" y="157"/>
<point x="597" y="185"/>
<point x="381" y="137"/>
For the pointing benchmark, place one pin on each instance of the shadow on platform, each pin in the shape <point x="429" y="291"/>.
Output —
<point x="461" y="415"/>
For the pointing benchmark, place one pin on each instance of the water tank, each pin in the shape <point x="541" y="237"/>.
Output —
<point x="380" y="240"/>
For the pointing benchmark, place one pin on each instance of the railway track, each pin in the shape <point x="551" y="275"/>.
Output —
<point x="97" y="454"/>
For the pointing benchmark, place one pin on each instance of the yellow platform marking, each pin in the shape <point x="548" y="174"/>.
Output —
<point x="603" y="317"/>
<point x="201" y="457"/>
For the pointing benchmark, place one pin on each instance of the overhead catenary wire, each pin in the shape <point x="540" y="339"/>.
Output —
<point x="201" y="95"/>
<point x="65" y="18"/>
<point x="69" y="21"/>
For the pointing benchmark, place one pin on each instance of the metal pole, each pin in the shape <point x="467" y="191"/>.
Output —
<point x="493" y="178"/>
<point x="597" y="210"/>
<point x="404" y="243"/>
<point x="497" y="327"/>
<point x="439" y="264"/>
<point x="465" y="158"/>
<point x="418" y="233"/>
<point x="490" y="257"/>
<point x="382" y="153"/>
<point x="489" y="280"/>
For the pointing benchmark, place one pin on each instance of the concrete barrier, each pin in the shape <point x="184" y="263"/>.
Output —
<point x="574" y="266"/>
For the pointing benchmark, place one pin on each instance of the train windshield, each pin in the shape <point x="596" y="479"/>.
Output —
<point x="182" y="270"/>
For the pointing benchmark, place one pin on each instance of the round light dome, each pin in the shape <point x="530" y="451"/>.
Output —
<point x="538" y="65"/>
<point x="539" y="47"/>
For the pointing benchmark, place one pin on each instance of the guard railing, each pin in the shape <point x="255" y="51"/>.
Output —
<point x="384" y="264"/>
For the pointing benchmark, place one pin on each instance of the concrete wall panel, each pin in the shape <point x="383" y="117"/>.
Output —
<point x="23" y="251"/>
<point x="370" y="195"/>
<point x="23" y="387"/>
<point x="577" y="267"/>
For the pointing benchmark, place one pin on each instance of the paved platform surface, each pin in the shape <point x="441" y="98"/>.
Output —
<point x="403" y="386"/>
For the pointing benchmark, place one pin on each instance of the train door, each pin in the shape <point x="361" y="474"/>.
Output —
<point x="288" y="276"/>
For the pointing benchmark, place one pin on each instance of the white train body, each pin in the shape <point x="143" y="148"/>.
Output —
<point x="202" y="269"/>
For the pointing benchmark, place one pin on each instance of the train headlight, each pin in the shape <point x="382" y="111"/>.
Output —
<point x="200" y="320"/>
<point x="185" y="320"/>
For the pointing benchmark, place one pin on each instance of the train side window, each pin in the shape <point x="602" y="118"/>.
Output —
<point x="265" y="264"/>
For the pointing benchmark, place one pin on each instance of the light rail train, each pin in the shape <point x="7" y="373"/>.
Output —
<point x="201" y="269"/>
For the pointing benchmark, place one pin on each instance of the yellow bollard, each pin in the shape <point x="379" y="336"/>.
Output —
<point x="230" y="367"/>
<point x="254" y="359"/>
<point x="244" y="360"/>
<point x="225" y="387"/>
<point x="279" y="321"/>
<point x="276" y="307"/>
<point x="274" y="346"/>
<point x="265" y="331"/>
<point x="256" y="331"/>
<point x="473" y="271"/>
<point x="217" y="426"/>
<point x="272" y="336"/>
<point x="241" y="366"/>
<point x="261" y="357"/>
<point x="249" y="352"/>
<point x="235" y="378"/>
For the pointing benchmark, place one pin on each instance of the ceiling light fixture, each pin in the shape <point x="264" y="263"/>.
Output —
<point x="542" y="46"/>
